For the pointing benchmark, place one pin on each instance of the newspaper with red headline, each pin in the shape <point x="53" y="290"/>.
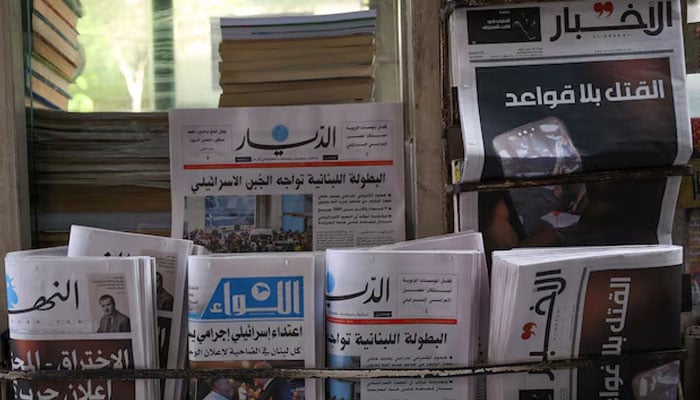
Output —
<point x="296" y="178"/>
<point x="80" y="313"/>
<point x="406" y="309"/>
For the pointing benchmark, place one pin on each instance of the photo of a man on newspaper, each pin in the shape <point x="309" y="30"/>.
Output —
<point x="113" y="320"/>
<point x="220" y="388"/>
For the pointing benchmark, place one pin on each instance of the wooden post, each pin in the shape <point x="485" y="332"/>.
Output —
<point x="15" y="229"/>
<point x="426" y="169"/>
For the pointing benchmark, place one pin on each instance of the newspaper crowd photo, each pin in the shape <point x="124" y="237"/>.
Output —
<point x="288" y="245"/>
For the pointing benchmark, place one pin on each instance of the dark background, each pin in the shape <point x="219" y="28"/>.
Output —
<point x="652" y="322"/>
<point x="524" y="25"/>
<point x="614" y="135"/>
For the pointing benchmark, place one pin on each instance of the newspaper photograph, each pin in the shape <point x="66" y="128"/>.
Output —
<point x="402" y="309"/>
<point x="586" y="302"/>
<point x="81" y="313"/>
<point x="251" y="312"/>
<point x="570" y="87"/>
<point x="298" y="178"/>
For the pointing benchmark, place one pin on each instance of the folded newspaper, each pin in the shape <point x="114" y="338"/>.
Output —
<point x="171" y="274"/>
<point x="298" y="178"/>
<point x="551" y="304"/>
<point x="70" y="313"/>
<point x="466" y="240"/>
<point x="569" y="87"/>
<point x="255" y="311"/>
<point x="403" y="309"/>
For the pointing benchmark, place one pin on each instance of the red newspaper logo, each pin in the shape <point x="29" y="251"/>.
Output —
<point x="603" y="7"/>
<point x="527" y="330"/>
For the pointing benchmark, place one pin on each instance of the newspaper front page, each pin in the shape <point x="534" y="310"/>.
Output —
<point x="251" y="312"/>
<point x="70" y="313"/>
<point x="298" y="178"/>
<point x="569" y="87"/>
<point x="406" y="310"/>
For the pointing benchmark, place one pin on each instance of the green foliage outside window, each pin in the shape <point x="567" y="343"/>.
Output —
<point x="117" y="40"/>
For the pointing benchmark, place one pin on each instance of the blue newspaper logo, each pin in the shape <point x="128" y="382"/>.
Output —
<point x="12" y="297"/>
<point x="254" y="298"/>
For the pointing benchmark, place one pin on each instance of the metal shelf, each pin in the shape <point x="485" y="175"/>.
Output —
<point x="604" y="176"/>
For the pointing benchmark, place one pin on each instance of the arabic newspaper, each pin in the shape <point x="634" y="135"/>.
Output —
<point x="171" y="274"/>
<point x="558" y="304"/>
<point x="570" y="87"/>
<point x="68" y="313"/>
<point x="254" y="311"/>
<point x="402" y="309"/>
<point x="288" y="178"/>
<point x="466" y="240"/>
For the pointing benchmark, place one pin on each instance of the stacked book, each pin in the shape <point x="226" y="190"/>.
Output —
<point x="106" y="169"/>
<point x="55" y="58"/>
<point x="297" y="59"/>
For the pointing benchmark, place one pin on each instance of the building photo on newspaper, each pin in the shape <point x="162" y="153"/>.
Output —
<point x="296" y="178"/>
<point x="570" y="87"/>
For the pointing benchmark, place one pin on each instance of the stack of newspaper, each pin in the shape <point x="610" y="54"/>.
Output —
<point x="68" y="313"/>
<point x="420" y="304"/>
<point x="256" y="311"/>
<point x="170" y="256"/>
<point x="563" y="303"/>
<point x="555" y="88"/>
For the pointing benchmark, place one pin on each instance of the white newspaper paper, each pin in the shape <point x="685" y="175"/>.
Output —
<point x="569" y="87"/>
<point x="402" y="309"/>
<point x="288" y="178"/>
<point x="254" y="311"/>
<point x="466" y="240"/>
<point x="68" y="313"/>
<point x="171" y="275"/>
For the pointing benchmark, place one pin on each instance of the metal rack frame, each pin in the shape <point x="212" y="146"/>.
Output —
<point x="603" y="176"/>
<point x="323" y="373"/>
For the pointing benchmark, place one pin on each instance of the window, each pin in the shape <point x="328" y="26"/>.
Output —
<point x="147" y="55"/>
